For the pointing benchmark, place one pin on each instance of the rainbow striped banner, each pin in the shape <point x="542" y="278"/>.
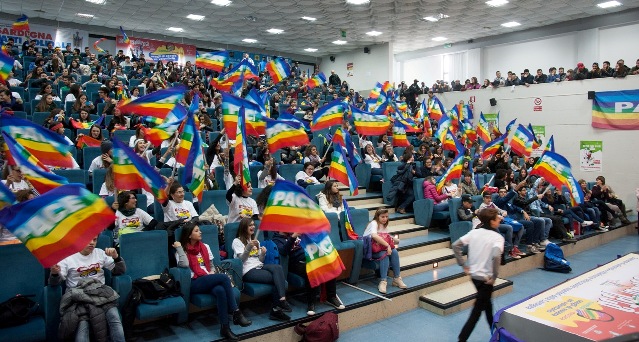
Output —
<point x="409" y="124"/>
<point x="132" y="172"/>
<point x="47" y="146"/>
<point x="576" y="193"/>
<point x="348" y="225"/>
<point x="451" y="143"/>
<point x="522" y="141"/>
<point x="21" y="24"/>
<point x="428" y="129"/>
<point x="240" y="162"/>
<point x="454" y="171"/>
<point x="7" y="197"/>
<point x="616" y="109"/>
<point x="375" y="92"/>
<point x="554" y="168"/>
<point x="6" y="66"/>
<point x="125" y="38"/>
<point x="157" y="104"/>
<point x="422" y="112"/>
<point x="536" y="142"/>
<point x="243" y="70"/>
<point x="287" y="203"/>
<point x="85" y="140"/>
<point x="316" y="81"/>
<point x="59" y="223"/>
<point x="338" y="137"/>
<point x="463" y="111"/>
<point x="550" y="146"/>
<point x="215" y="61"/>
<point x="436" y="109"/>
<point x="341" y="170"/>
<point x="86" y="125"/>
<point x="280" y="134"/>
<point x="231" y="105"/>
<point x="399" y="135"/>
<point x="278" y="69"/>
<point x="97" y="48"/>
<point x="190" y="155"/>
<point x="330" y="114"/>
<point x="445" y="124"/>
<point x="492" y="147"/>
<point x="469" y="133"/>
<point x="482" y="129"/>
<point x="322" y="260"/>
<point x="367" y="123"/>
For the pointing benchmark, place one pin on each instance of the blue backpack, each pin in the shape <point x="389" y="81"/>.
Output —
<point x="554" y="260"/>
<point x="272" y="255"/>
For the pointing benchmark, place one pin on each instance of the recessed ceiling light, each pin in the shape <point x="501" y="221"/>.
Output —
<point x="439" y="39"/>
<point x="357" y="2"/>
<point x="434" y="18"/>
<point x="373" y="33"/>
<point x="609" y="4"/>
<point x="84" y="15"/>
<point x="195" y="17"/>
<point x="274" y="31"/>
<point x="309" y="18"/>
<point x="496" y="3"/>
<point x="310" y="50"/>
<point x="97" y="2"/>
<point x="431" y="19"/>
<point x="339" y="42"/>
<point x="249" y="40"/>
<point x="510" y="24"/>
<point x="221" y="2"/>
<point x="175" y="29"/>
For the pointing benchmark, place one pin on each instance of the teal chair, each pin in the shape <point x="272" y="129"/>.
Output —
<point x="124" y="135"/>
<point x="313" y="190"/>
<point x="145" y="254"/>
<point x="454" y="204"/>
<point x="216" y="197"/>
<point x="74" y="175"/>
<point x="288" y="171"/>
<point x="98" y="180"/>
<point x="254" y="169"/>
<point x="39" y="117"/>
<point x="363" y="174"/>
<point x="88" y="154"/>
<point x="459" y="229"/>
<point x="219" y="177"/>
<point x="358" y="217"/>
<point x="344" y="244"/>
<point x="389" y="169"/>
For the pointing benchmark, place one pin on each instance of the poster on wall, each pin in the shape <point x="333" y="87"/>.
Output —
<point x="492" y="119"/>
<point x="540" y="136"/>
<point x="76" y="38"/>
<point x="43" y="35"/>
<point x="590" y="156"/>
<point x="157" y="50"/>
<point x="349" y="69"/>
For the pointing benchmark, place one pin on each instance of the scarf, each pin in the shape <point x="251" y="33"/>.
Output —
<point x="191" y="253"/>
<point x="127" y="212"/>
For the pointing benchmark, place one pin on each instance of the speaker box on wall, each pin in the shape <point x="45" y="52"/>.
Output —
<point x="332" y="58"/>
<point x="591" y="95"/>
<point x="367" y="50"/>
<point x="493" y="102"/>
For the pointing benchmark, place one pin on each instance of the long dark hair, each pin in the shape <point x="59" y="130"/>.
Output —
<point x="330" y="196"/>
<point x="242" y="232"/>
<point x="187" y="230"/>
<point x="123" y="197"/>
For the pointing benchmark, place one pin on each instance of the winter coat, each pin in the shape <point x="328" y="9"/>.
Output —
<point x="430" y="191"/>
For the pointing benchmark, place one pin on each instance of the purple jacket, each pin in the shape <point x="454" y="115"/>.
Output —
<point x="430" y="191"/>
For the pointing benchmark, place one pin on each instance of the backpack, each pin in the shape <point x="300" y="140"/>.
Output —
<point x="16" y="311"/>
<point x="323" y="329"/>
<point x="156" y="289"/>
<point x="554" y="260"/>
<point x="272" y="255"/>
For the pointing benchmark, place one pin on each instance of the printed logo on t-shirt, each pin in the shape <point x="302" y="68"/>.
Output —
<point x="182" y="213"/>
<point x="131" y="222"/>
<point x="244" y="210"/>
<point x="254" y="252"/>
<point x="91" y="270"/>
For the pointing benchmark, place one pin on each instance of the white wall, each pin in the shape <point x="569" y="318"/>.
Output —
<point x="566" y="113"/>
<point x="423" y="69"/>
<point x="368" y="68"/>
<point x="613" y="44"/>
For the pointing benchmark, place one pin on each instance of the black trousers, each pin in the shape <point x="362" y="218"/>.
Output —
<point x="311" y="292"/>
<point x="483" y="303"/>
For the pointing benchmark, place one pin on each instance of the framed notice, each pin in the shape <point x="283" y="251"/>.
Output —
<point x="591" y="156"/>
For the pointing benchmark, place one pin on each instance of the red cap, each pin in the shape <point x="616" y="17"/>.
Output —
<point x="580" y="65"/>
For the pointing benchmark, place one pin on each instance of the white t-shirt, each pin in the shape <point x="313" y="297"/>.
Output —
<point x="241" y="205"/>
<point x="373" y="228"/>
<point x="104" y="192"/>
<point x="481" y="251"/>
<point x="308" y="179"/>
<point x="69" y="98"/>
<point x="253" y="259"/>
<point x="451" y="189"/>
<point x="200" y="260"/>
<point x="174" y="211"/>
<point x="131" y="224"/>
<point x="268" y="180"/>
<point x="17" y="186"/>
<point x="77" y="266"/>
<point x="96" y="163"/>
<point x="373" y="160"/>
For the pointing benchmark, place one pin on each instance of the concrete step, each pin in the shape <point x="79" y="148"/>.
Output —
<point x="459" y="296"/>
<point x="407" y="231"/>
<point x="423" y="261"/>
<point x="367" y="198"/>
<point x="407" y="248"/>
<point x="397" y="218"/>
<point x="345" y="191"/>
<point x="372" y="207"/>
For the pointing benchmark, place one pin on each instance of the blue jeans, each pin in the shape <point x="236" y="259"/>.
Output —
<point x="116" y="333"/>
<point x="507" y="230"/>
<point x="544" y="225"/>
<point x="220" y="287"/>
<point x="440" y="206"/>
<point x="533" y="232"/>
<point x="594" y="215"/>
<point x="390" y="260"/>
<point x="269" y="274"/>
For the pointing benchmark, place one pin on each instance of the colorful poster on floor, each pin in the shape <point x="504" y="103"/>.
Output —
<point x="157" y="50"/>
<point x="590" y="156"/>
<point x="540" y="136"/>
<point x="595" y="306"/>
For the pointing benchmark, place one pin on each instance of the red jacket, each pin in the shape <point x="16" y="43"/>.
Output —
<point x="430" y="191"/>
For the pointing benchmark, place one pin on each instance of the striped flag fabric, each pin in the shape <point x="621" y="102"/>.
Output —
<point x="190" y="155"/>
<point x="240" y="162"/>
<point x="21" y="24"/>
<point x="231" y="105"/>
<point x="445" y="124"/>
<point x="48" y="147"/>
<point x="322" y="260"/>
<point x="470" y="135"/>
<point x="375" y="92"/>
<point x="348" y="223"/>
<point x="215" y="61"/>
<point x="125" y="38"/>
<point x="436" y="109"/>
<point x="451" y="143"/>
<point x="454" y="171"/>
<point x="243" y="70"/>
<point x="132" y="172"/>
<point x="279" y="69"/>
<point x="316" y="80"/>
<point x="463" y="111"/>
<point x="7" y="197"/>
<point x="341" y="170"/>
<point x="33" y="170"/>
<point x="330" y="114"/>
<point x="492" y="147"/>
<point x="291" y="119"/>
<point x="59" y="223"/>
<point x="428" y="129"/>
<point x="554" y="168"/>
<point x="536" y="142"/>
<point x="399" y="135"/>
<point x="367" y="123"/>
<point x="87" y="141"/>
<point x="338" y="137"/>
<point x="522" y="141"/>
<point x="280" y="134"/>
<point x="157" y="104"/>
<point x="482" y="129"/>
<point x="550" y="146"/>
<point x="422" y="112"/>
<point x="575" y="191"/>
<point x="85" y="125"/>
<point x="615" y="109"/>
<point x="97" y="48"/>
<point x="287" y="203"/>
<point x="355" y="158"/>
<point x="6" y="65"/>
<point x="409" y="124"/>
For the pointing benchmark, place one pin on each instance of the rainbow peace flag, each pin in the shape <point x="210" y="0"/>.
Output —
<point x="399" y="135"/>
<point x="292" y="120"/>
<point x="402" y="106"/>
<point x="155" y="135"/>
<point x="492" y="147"/>
<point x="97" y="48"/>
<point x="550" y="146"/>
<point x="121" y="93"/>
<point x="375" y="92"/>
<point x="436" y="109"/>
<point x="330" y="114"/>
<point x="367" y="123"/>
<point x="453" y="172"/>
<point x="576" y="194"/>
<point x="37" y="174"/>
<point x="348" y="225"/>
<point x="338" y="137"/>
<point x="278" y="69"/>
<point x="289" y="202"/>
<point x="6" y="65"/>
<point x="222" y="85"/>
<point x="132" y="172"/>
<point x="280" y="134"/>
<point x="231" y="105"/>
<point x="255" y="124"/>
<point x="341" y="170"/>
<point x="157" y="104"/>
<point x="536" y="142"/>
<point x="125" y="38"/>
<point x="422" y="112"/>
<point x="215" y="61"/>
<point x="85" y="140"/>
<point x="428" y="129"/>
<point x="445" y="124"/>
<point x="190" y="155"/>
<point x="5" y="50"/>
<point x="482" y="129"/>
<point x="469" y="133"/>
<point x="463" y="111"/>
<point x="59" y="223"/>
<point x="509" y="127"/>
<point x="85" y="125"/>
<point x="316" y="81"/>
<point x="7" y="197"/>
<point x="243" y="70"/>
<point x="409" y="124"/>
<point x="554" y="168"/>
<point x="322" y="260"/>
<point x="48" y="147"/>
<point x="522" y="141"/>
<point x="240" y="162"/>
<point x="21" y="24"/>
<point x="451" y="143"/>
<point x="615" y="109"/>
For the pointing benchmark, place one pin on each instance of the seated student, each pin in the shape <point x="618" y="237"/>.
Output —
<point x="177" y="208"/>
<point x="523" y="201"/>
<point x="377" y="229"/>
<point x="14" y="179"/>
<point x="247" y="249"/>
<point x="104" y="160"/>
<point x="430" y="191"/>
<point x="388" y="154"/>
<point x="371" y="158"/>
<point x="330" y="200"/>
<point x="305" y="177"/>
<point x="512" y="240"/>
<point x="586" y="217"/>
<point x="191" y="252"/>
<point x="451" y="189"/>
<point x="128" y="217"/>
<point x="241" y="205"/>
<point x="534" y="233"/>
<point x="269" y="174"/>
<point x="402" y="183"/>
<point x="289" y="244"/>
<point x="312" y="156"/>
<point x="83" y="273"/>
<point x="604" y="192"/>
<point x="467" y="211"/>
<point x="546" y="212"/>
<point x="468" y="186"/>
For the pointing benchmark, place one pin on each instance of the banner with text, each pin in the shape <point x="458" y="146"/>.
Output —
<point x="157" y="50"/>
<point x="616" y="109"/>
<point x="44" y="35"/>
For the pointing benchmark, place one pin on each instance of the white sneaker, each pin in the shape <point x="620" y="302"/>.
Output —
<point x="602" y="229"/>
<point x="544" y="243"/>
<point x="586" y="223"/>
